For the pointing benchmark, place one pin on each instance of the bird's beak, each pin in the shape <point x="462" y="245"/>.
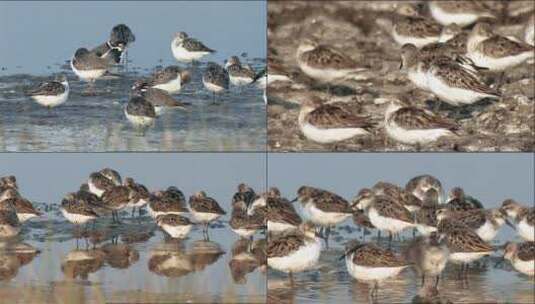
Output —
<point x="510" y="224"/>
<point x="294" y="200"/>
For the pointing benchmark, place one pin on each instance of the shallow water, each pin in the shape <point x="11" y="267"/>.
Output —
<point x="236" y="122"/>
<point x="490" y="280"/>
<point x="141" y="267"/>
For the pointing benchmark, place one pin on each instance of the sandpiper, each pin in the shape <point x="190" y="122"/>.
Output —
<point x="523" y="217"/>
<point x="77" y="211"/>
<point x="9" y="181"/>
<point x="326" y="64"/>
<point x="112" y="175"/>
<point x="429" y="255"/>
<point x="529" y="31"/>
<point x="51" y="94"/>
<point x="485" y="223"/>
<point x="281" y="215"/>
<point x="239" y="74"/>
<point x="464" y="244"/>
<point x="462" y="13"/>
<point x="412" y="28"/>
<point x="160" y="99"/>
<point x="114" y="48"/>
<point x="331" y="123"/>
<point x="103" y="180"/>
<point x="370" y="263"/>
<point x="23" y="207"/>
<point x="177" y="226"/>
<point x="186" y="49"/>
<point x="323" y="208"/>
<point x="246" y="194"/>
<point x="495" y="52"/>
<point x="140" y="112"/>
<point x="457" y="85"/>
<point x="205" y="209"/>
<point x="416" y="126"/>
<point x="296" y="251"/>
<point x="421" y="184"/>
<point x="398" y="194"/>
<point x="171" y="79"/>
<point x="117" y="198"/>
<point x="170" y="201"/>
<point x="521" y="256"/>
<point x="139" y="194"/>
<point x="458" y="201"/>
<point x="215" y="79"/>
<point x="242" y="224"/>
<point x="384" y="213"/>
<point x="9" y="222"/>
<point x="88" y="66"/>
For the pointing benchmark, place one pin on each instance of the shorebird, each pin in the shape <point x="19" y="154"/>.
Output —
<point x="384" y="213"/>
<point x="398" y="194"/>
<point x="171" y="79"/>
<point x="242" y="224"/>
<point x="98" y="183"/>
<point x="112" y="175"/>
<point x="462" y="13"/>
<point x="205" y="209"/>
<point x="9" y="181"/>
<point x="51" y="94"/>
<point x="421" y="184"/>
<point x="296" y="251"/>
<point x="458" y="201"/>
<point x="117" y="198"/>
<point x="326" y="64"/>
<point x="246" y="194"/>
<point x="215" y="79"/>
<point x="88" y="66"/>
<point x="495" y="52"/>
<point x="370" y="263"/>
<point x="160" y="99"/>
<point x="170" y="201"/>
<point x="139" y="195"/>
<point x="331" y="123"/>
<point x="521" y="256"/>
<point x="485" y="223"/>
<point x="140" y="112"/>
<point x="429" y="255"/>
<point x="411" y="27"/>
<point x="323" y="208"/>
<point x="113" y="49"/>
<point x="416" y="126"/>
<point x="186" y="49"/>
<point x="281" y="215"/>
<point x="177" y="226"/>
<point x="76" y="210"/>
<point x="523" y="217"/>
<point x="457" y="85"/>
<point x="464" y="244"/>
<point x="239" y="74"/>
<point x="23" y="207"/>
<point x="9" y="222"/>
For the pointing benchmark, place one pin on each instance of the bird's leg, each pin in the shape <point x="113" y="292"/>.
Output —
<point x="378" y="235"/>
<point x="133" y="211"/>
<point x="291" y="277"/>
<point x="423" y="279"/>
<point x="389" y="239"/>
<point x="437" y="280"/>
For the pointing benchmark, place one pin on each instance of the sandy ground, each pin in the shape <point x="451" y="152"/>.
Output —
<point x="362" y="30"/>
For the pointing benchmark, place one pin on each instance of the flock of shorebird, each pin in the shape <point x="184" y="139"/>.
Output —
<point x="438" y="56"/>
<point x="106" y="193"/>
<point x="457" y="230"/>
<point x="152" y="95"/>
